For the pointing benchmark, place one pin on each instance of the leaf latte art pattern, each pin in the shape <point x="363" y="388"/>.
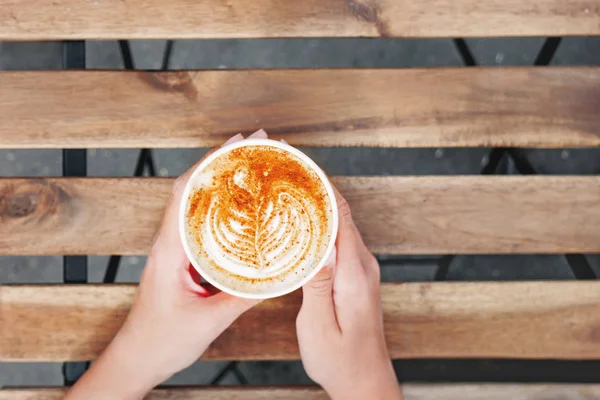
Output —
<point x="260" y="236"/>
<point x="260" y="215"/>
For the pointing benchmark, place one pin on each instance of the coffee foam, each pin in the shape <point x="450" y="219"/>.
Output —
<point x="258" y="219"/>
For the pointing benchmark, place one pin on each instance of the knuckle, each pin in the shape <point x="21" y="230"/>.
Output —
<point x="322" y="283"/>
<point x="320" y="287"/>
<point x="373" y="267"/>
<point x="372" y="260"/>
<point x="376" y="274"/>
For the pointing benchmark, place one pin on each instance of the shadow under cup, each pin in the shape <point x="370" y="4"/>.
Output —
<point x="248" y="244"/>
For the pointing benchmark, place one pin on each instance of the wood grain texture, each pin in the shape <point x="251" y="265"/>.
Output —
<point x="411" y="392"/>
<point x="553" y="320"/>
<point x="396" y="215"/>
<point x="137" y="19"/>
<point x="526" y="107"/>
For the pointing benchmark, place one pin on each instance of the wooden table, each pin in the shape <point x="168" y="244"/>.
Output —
<point x="536" y="107"/>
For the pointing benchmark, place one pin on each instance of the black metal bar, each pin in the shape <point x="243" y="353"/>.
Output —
<point x="140" y="165"/>
<point x="74" y="164"/>
<point x="74" y="54"/>
<point x="494" y="160"/>
<point x="580" y="267"/>
<point x="149" y="162"/>
<point x="75" y="269"/>
<point x="547" y="51"/>
<point x="400" y="261"/>
<point x="73" y="371"/>
<point x="145" y="161"/>
<point x="464" y="52"/>
<point x="126" y="54"/>
<point x="219" y="377"/>
<point x="497" y="370"/>
<point x="522" y="164"/>
<point x="238" y="374"/>
<point x="111" y="269"/>
<point x="443" y="267"/>
<point x="167" y="55"/>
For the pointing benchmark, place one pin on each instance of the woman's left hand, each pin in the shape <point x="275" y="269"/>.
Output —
<point x="172" y="322"/>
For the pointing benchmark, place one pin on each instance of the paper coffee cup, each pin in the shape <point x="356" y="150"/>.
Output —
<point x="247" y="286"/>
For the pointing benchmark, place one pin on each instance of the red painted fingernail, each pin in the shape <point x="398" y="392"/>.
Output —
<point x="197" y="279"/>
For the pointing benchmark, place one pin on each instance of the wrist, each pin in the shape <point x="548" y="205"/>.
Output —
<point x="379" y="384"/>
<point x="117" y="374"/>
<point x="135" y="362"/>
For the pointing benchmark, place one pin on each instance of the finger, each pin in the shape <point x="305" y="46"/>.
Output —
<point x="350" y="272"/>
<point x="347" y="223"/>
<point x="260" y="134"/>
<point x="353" y="282"/>
<point x="232" y="139"/>
<point x="317" y="300"/>
<point x="344" y="210"/>
<point x="181" y="181"/>
<point x="227" y="308"/>
<point x="348" y="237"/>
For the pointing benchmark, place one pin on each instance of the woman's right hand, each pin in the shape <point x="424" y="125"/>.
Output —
<point x="340" y="324"/>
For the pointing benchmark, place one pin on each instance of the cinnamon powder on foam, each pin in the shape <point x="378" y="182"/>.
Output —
<point x="269" y="166"/>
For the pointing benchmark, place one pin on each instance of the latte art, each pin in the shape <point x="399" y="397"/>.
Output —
<point x="258" y="217"/>
<point x="258" y="237"/>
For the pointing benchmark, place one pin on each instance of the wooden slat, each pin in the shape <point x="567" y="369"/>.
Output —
<point x="144" y="19"/>
<point x="397" y="215"/>
<point x="411" y="392"/>
<point x="526" y="107"/>
<point x="554" y="320"/>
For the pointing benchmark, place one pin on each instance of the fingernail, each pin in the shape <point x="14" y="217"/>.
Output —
<point x="232" y="139"/>
<point x="194" y="281"/>
<point x="260" y="134"/>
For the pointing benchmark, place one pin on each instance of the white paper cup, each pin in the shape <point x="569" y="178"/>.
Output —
<point x="193" y="184"/>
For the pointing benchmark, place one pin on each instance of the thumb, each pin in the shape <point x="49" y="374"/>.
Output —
<point x="317" y="301"/>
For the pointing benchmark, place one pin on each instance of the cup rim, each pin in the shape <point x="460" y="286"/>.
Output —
<point x="258" y="142"/>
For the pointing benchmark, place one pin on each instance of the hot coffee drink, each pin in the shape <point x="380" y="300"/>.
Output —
<point x="259" y="218"/>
